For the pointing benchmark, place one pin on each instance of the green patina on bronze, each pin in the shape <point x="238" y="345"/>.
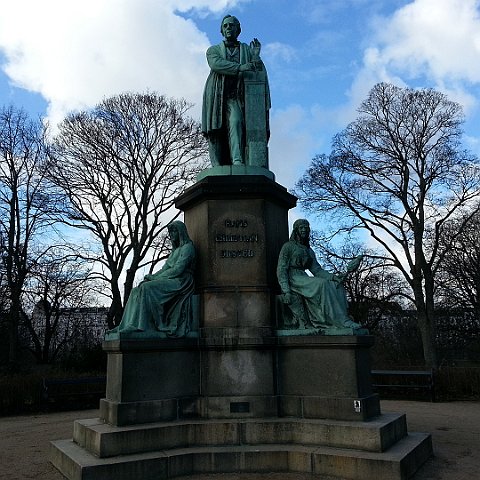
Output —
<point x="317" y="302"/>
<point x="236" y="101"/>
<point x="161" y="304"/>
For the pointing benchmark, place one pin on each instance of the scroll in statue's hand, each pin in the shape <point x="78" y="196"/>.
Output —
<point x="354" y="264"/>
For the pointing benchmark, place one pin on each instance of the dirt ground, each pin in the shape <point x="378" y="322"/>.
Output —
<point x="455" y="429"/>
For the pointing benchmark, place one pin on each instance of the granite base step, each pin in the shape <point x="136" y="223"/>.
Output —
<point x="104" y="440"/>
<point x="399" y="462"/>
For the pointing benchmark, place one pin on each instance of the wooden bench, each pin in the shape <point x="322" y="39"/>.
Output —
<point x="401" y="382"/>
<point x="73" y="392"/>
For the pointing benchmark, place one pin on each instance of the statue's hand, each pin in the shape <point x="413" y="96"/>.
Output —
<point x="256" y="46"/>
<point x="287" y="298"/>
<point x="245" y="67"/>
<point x="340" y="278"/>
<point x="148" y="278"/>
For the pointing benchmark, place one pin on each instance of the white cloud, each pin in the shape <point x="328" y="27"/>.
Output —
<point x="201" y="5"/>
<point x="473" y="144"/>
<point x="278" y="51"/>
<point x="426" y="43"/>
<point x="74" y="53"/>
<point x="436" y="42"/>
<point x="440" y="38"/>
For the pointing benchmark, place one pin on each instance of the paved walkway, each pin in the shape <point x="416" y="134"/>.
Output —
<point x="455" y="428"/>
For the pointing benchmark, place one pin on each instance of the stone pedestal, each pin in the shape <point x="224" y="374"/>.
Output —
<point x="326" y="377"/>
<point x="241" y="396"/>
<point x="238" y="224"/>
<point x="149" y="380"/>
<point x="174" y="379"/>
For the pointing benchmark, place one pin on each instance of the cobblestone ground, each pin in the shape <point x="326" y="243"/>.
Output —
<point x="455" y="428"/>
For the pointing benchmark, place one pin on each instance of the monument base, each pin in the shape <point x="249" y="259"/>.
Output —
<point x="321" y="417"/>
<point x="380" y="448"/>
<point x="240" y="397"/>
<point x="222" y="376"/>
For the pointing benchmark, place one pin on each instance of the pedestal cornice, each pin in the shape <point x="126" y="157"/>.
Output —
<point x="235" y="186"/>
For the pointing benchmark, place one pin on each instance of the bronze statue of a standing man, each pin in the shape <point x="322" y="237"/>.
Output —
<point x="223" y="113"/>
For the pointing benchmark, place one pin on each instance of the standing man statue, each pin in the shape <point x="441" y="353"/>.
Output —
<point x="235" y="112"/>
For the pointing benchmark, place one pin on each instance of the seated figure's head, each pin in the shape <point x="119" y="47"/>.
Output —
<point x="177" y="231"/>
<point x="301" y="232"/>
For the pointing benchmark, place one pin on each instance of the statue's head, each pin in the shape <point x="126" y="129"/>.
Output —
<point x="301" y="232"/>
<point x="177" y="231"/>
<point x="230" y="27"/>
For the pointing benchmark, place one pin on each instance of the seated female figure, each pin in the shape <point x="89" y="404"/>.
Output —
<point x="162" y="301"/>
<point x="319" y="301"/>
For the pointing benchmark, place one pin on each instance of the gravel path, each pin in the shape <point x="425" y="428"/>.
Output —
<point x="455" y="428"/>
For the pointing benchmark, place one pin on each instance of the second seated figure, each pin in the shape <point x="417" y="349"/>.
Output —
<point x="320" y="301"/>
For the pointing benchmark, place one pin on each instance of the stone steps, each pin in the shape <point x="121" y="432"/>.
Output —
<point x="399" y="462"/>
<point x="104" y="440"/>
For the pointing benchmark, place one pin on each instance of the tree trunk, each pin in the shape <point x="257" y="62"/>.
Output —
<point x="427" y="331"/>
<point x="12" y="338"/>
<point x="129" y="279"/>
<point x="425" y="318"/>
<point x="115" y="312"/>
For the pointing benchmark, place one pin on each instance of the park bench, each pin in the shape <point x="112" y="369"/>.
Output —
<point x="73" y="392"/>
<point x="404" y="383"/>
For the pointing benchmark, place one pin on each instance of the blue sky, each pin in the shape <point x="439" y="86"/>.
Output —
<point x="322" y="57"/>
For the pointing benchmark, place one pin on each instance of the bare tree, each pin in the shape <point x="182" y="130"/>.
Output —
<point x="399" y="173"/>
<point x="122" y="165"/>
<point x="57" y="283"/>
<point x="374" y="290"/>
<point x="26" y="199"/>
<point x="459" y="274"/>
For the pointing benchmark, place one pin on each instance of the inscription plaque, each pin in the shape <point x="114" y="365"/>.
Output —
<point x="237" y="238"/>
